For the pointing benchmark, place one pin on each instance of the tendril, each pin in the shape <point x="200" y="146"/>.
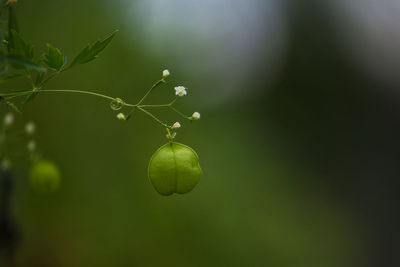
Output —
<point x="117" y="104"/>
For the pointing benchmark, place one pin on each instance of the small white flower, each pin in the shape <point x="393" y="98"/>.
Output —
<point x="196" y="116"/>
<point x="165" y="74"/>
<point x="176" y="125"/>
<point x="121" y="116"/>
<point x="31" y="146"/>
<point x="180" y="91"/>
<point x="30" y="128"/>
<point x="8" y="119"/>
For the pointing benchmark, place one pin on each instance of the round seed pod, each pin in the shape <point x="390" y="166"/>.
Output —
<point x="174" y="168"/>
<point x="44" y="176"/>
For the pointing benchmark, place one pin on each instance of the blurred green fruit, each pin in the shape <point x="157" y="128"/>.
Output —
<point x="44" y="176"/>
<point x="174" y="168"/>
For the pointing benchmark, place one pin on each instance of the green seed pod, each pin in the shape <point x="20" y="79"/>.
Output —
<point x="174" y="168"/>
<point x="44" y="176"/>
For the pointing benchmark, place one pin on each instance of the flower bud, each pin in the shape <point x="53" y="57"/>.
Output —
<point x="121" y="116"/>
<point x="176" y="125"/>
<point x="30" y="128"/>
<point x="31" y="146"/>
<point x="8" y="119"/>
<point x="165" y="74"/>
<point x="196" y="116"/>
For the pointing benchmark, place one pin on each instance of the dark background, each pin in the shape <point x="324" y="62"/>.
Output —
<point x="298" y="139"/>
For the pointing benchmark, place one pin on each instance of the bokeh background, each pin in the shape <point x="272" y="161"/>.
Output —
<point x="298" y="140"/>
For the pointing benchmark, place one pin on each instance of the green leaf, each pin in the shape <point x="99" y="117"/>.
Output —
<point x="91" y="51"/>
<point x="54" y="59"/>
<point x="30" y="97"/>
<point x="22" y="63"/>
<point x="12" y="106"/>
<point x="18" y="46"/>
<point x="12" y="25"/>
<point x="39" y="78"/>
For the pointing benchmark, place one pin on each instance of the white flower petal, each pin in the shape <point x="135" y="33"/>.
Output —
<point x="165" y="74"/>
<point x="176" y="125"/>
<point x="196" y="116"/>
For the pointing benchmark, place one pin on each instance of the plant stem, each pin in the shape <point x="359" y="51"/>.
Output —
<point x="154" y="117"/>
<point x="22" y="93"/>
<point x="134" y="106"/>
<point x="148" y="92"/>
<point x="173" y="101"/>
<point x="179" y="113"/>
<point x="51" y="76"/>
<point x="154" y="106"/>
<point x="79" y="92"/>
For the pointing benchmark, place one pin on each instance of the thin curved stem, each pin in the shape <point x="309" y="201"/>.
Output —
<point x="148" y="92"/>
<point x="79" y="92"/>
<point x="28" y="92"/>
<point x="29" y="77"/>
<point x="154" y="117"/>
<point x="173" y="101"/>
<point x="51" y="76"/>
<point x="166" y="106"/>
<point x="18" y="93"/>
<point x="179" y="113"/>
<point x="7" y="96"/>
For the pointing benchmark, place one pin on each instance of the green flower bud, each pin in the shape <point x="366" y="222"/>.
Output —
<point x="121" y="117"/>
<point x="174" y="168"/>
<point x="196" y="116"/>
<point x="44" y="176"/>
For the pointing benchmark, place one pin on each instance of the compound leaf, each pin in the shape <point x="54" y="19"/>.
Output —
<point x="91" y="51"/>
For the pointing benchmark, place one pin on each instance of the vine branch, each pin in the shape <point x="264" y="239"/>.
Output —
<point x="7" y="96"/>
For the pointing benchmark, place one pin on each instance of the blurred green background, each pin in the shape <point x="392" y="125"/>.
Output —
<point x="297" y="139"/>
